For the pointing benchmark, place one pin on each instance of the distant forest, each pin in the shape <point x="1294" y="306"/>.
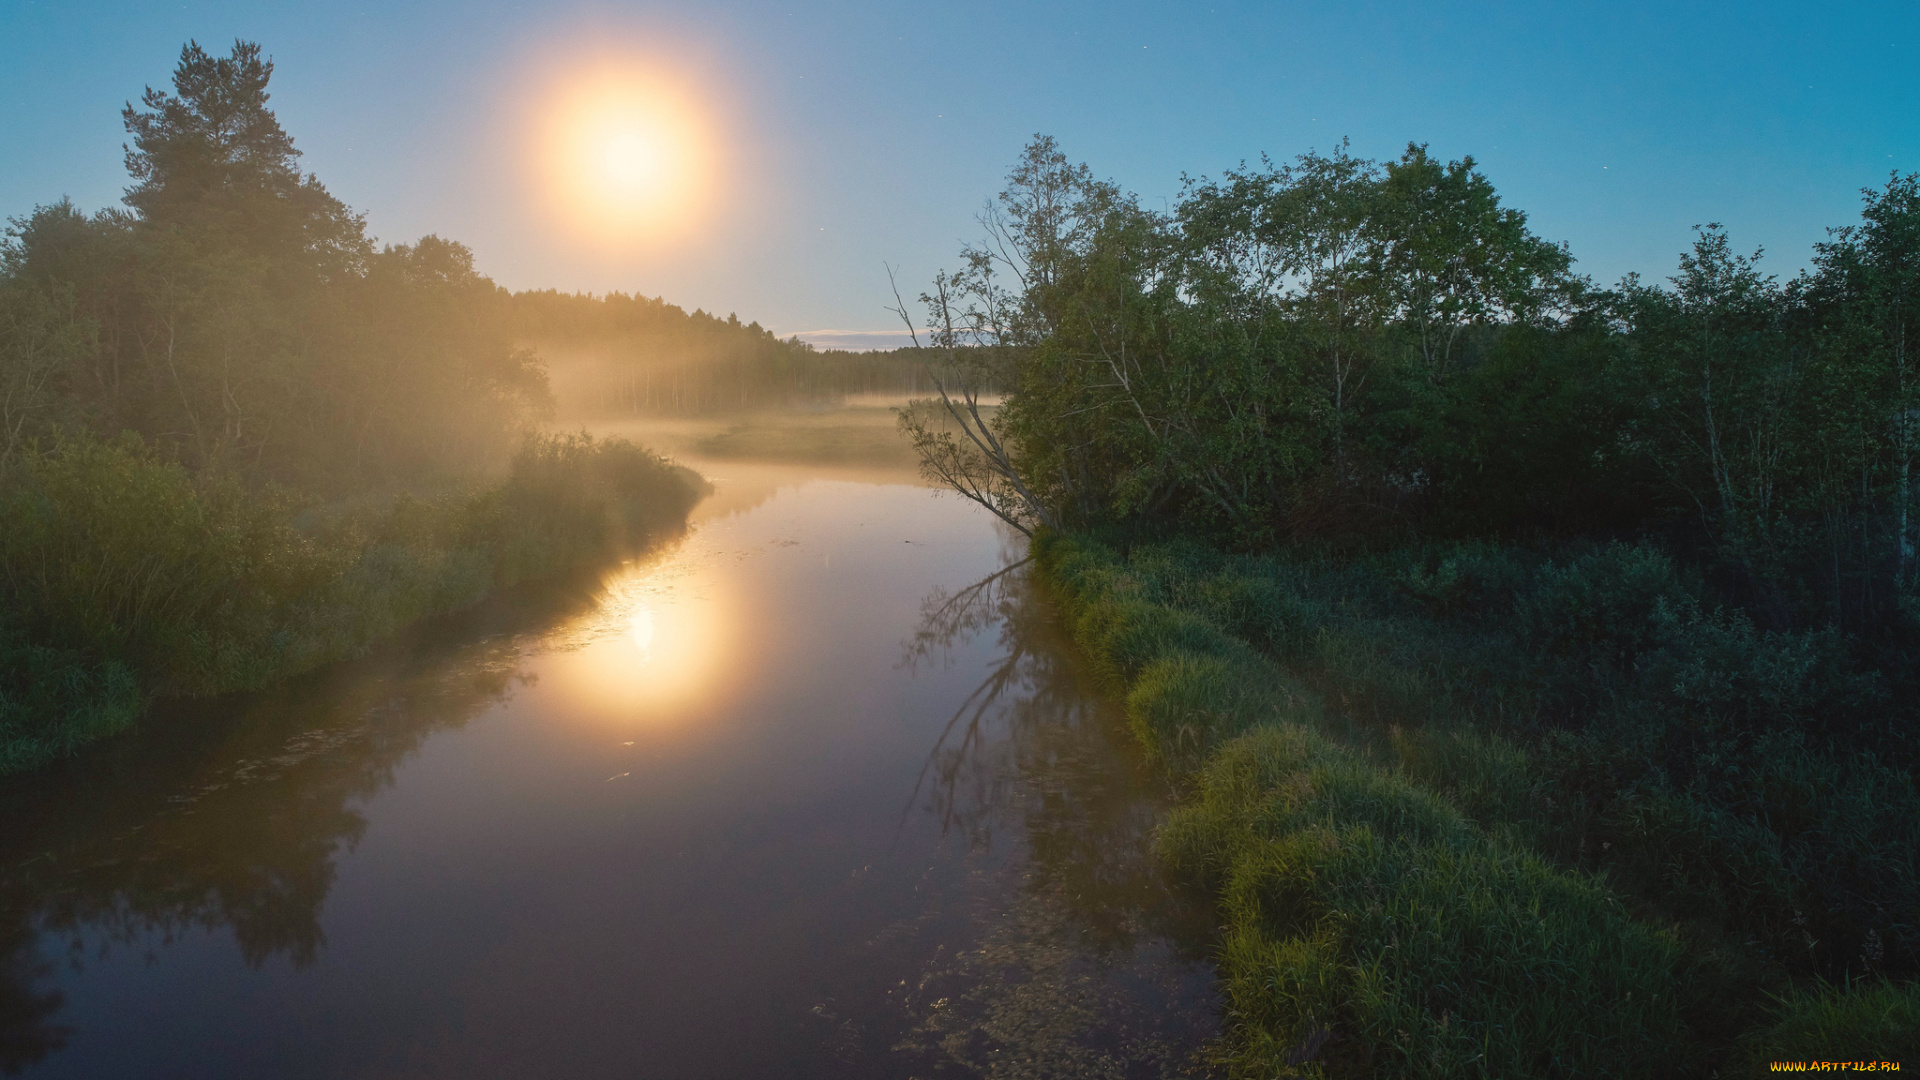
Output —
<point x="620" y="355"/>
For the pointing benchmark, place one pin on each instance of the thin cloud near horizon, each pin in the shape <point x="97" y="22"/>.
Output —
<point x="852" y="340"/>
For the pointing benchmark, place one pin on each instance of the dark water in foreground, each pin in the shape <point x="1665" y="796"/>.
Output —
<point x="806" y="793"/>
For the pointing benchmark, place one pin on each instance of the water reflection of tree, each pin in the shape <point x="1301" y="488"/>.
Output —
<point x="228" y="819"/>
<point x="1096" y="968"/>
<point x="966" y="778"/>
<point x="27" y="1030"/>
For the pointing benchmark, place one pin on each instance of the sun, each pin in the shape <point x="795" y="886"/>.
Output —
<point x="634" y="162"/>
<point x="625" y="153"/>
<point x="629" y="159"/>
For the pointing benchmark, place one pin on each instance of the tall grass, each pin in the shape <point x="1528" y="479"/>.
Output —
<point x="1877" y="1021"/>
<point x="1406" y="765"/>
<point x="124" y="576"/>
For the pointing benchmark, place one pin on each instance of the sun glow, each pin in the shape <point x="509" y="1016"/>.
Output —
<point x="652" y="654"/>
<point x="641" y="627"/>
<point x="626" y="154"/>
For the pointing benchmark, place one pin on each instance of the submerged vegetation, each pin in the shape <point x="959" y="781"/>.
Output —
<point x="237" y="442"/>
<point x="1536" y="656"/>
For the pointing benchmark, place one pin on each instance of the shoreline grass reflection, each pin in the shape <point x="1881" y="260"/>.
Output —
<point x="1085" y="960"/>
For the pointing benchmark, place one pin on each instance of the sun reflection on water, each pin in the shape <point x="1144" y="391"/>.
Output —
<point x="651" y="652"/>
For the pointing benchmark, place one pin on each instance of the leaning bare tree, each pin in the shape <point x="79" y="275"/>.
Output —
<point x="961" y="443"/>
<point x="977" y="329"/>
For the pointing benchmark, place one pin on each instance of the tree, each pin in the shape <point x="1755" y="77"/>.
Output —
<point x="1218" y="362"/>
<point x="42" y="337"/>
<point x="1724" y="382"/>
<point x="211" y="157"/>
<point x="1450" y="257"/>
<point x="1292" y="244"/>
<point x="1864" y="298"/>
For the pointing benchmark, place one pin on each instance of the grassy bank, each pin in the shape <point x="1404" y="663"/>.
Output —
<point x="1484" y="811"/>
<point x="123" y="577"/>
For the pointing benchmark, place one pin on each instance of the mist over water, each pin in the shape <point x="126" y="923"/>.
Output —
<point x="812" y="790"/>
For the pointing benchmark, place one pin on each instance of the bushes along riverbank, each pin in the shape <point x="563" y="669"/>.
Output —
<point x="124" y="577"/>
<point x="1479" y="811"/>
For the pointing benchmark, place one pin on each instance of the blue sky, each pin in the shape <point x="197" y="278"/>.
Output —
<point x="865" y="133"/>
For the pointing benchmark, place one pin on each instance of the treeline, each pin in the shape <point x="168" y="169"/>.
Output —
<point x="1344" y="351"/>
<point x="236" y="315"/>
<point x="619" y="355"/>
<point x="1528" y="648"/>
<point x="237" y="441"/>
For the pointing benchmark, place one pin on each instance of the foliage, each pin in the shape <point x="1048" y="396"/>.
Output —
<point x="1345" y="352"/>
<point x="1751" y="789"/>
<point x="124" y="576"/>
<point x="1618" y="581"/>
<point x="208" y="402"/>
<point x="1270" y="352"/>
<point x="1360" y="905"/>
<point x="1371" y="925"/>
<point x="1873" y="1021"/>
<point x="239" y="319"/>
<point x="118" y="554"/>
<point x="53" y="701"/>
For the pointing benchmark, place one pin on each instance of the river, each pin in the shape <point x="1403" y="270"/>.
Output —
<point x="814" y="789"/>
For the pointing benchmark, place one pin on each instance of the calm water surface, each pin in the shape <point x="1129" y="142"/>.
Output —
<point x="814" y="790"/>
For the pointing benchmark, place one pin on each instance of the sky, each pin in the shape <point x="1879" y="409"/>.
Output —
<point x="843" y="138"/>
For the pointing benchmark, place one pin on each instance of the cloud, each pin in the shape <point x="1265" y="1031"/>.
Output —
<point x="853" y="340"/>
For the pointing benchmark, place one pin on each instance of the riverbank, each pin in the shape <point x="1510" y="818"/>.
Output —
<point x="127" y="579"/>
<point x="1479" y="811"/>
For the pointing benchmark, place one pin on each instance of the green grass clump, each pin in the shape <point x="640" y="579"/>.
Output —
<point x="1371" y="924"/>
<point x="124" y="577"/>
<point x="53" y="701"/>
<point x="1876" y="1021"/>
<point x="1182" y="705"/>
<point x="1586" y="714"/>
<point x="1359" y="904"/>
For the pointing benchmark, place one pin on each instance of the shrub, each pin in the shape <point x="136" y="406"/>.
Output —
<point x="121" y="557"/>
<point x="124" y="576"/>
<point x="1464" y="579"/>
<point x="1748" y="779"/>
<point x="573" y="501"/>
<point x="1360" y="905"/>
<point x="1613" y="602"/>
<point x="1367" y="917"/>
<point x="53" y="701"/>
